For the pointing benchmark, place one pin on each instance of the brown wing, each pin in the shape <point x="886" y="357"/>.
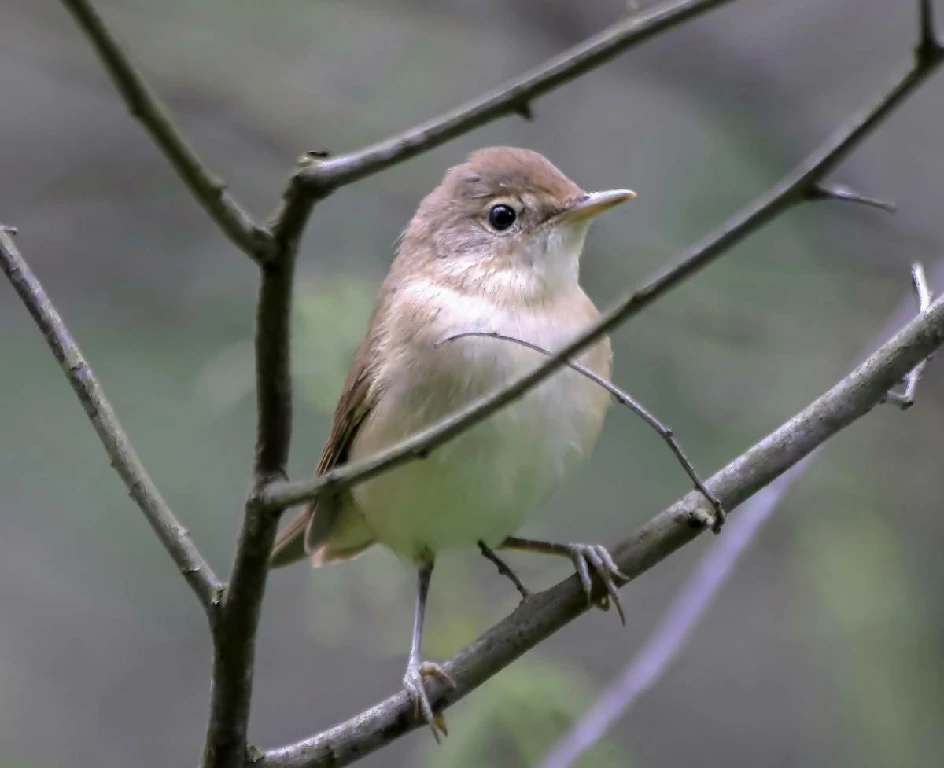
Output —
<point x="310" y="530"/>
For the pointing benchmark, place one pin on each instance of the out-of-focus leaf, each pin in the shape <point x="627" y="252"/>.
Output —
<point x="330" y="318"/>
<point x="332" y="313"/>
<point x="516" y="717"/>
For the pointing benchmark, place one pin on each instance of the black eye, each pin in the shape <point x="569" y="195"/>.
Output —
<point x="501" y="216"/>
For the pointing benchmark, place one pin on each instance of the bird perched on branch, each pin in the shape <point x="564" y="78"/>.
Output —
<point x="495" y="248"/>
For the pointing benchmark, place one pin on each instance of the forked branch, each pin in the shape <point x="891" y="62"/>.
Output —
<point x="545" y="613"/>
<point x="275" y="248"/>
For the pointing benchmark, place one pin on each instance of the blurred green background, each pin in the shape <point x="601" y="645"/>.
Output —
<point x="825" y="648"/>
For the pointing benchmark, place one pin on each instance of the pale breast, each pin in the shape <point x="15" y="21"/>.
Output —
<point x="486" y="482"/>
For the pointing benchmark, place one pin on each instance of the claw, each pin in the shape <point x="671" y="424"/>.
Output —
<point x="416" y="690"/>
<point x="440" y="721"/>
<point x="597" y="557"/>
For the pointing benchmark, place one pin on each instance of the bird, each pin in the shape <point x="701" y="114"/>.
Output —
<point x="494" y="250"/>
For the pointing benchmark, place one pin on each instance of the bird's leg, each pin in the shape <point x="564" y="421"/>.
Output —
<point x="416" y="670"/>
<point x="584" y="557"/>
<point x="504" y="569"/>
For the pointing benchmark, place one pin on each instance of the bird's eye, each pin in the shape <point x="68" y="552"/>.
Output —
<point x="501" y="216"/>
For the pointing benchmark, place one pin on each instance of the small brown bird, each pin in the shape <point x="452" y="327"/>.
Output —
<point x="495" y="248"/>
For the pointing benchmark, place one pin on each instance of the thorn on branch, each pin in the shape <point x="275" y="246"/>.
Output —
<point x="905" y="399"/>
<point x="311" y="159"/>
<point x="523" y="110"/>
<point x="842" y="193"/>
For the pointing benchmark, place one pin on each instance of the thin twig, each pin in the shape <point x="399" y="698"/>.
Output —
<point x="203" y="184"/>
<point x="791" y="189"/>
<point x="623" y="398"/>
<point x="546" y="612"/>
<point x="905" y="399"/>
<point x="514" y="97"/>
<point x="846" y="194"/>
<point x="504" y="569"/>
<point x="675" y="628"/>
<point x="124" y="459"/>
<point x="927" y="40"/>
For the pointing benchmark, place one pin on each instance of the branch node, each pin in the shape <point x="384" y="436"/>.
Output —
<point x="148" y="110"/>
<point x="523" y="110"/>
<point x="701" y="520"/>
<point x="905" y="399"/>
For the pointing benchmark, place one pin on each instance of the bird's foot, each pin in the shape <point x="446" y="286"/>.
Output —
<point x="595" y="556"/>
<point x="416" y="689"/>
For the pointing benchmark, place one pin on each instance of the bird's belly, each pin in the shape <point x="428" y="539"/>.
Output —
<point x="483" y="484"/>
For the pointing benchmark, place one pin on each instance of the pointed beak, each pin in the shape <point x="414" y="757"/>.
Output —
<point x="592" y="203"/>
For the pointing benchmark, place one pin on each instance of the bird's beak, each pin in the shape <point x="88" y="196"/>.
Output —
<point x="589" y="205"/>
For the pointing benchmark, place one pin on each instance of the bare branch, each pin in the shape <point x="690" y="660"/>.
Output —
<point x="623" y="398"/>
<point x="275" y="250"/>
<point x="124" y="459"/>
<point x="674" y="630"/>
<point x="905" y="400"/>
<point x="791" y="189"/>
<point x="846" y="194"/>
<point x="543" y="614"/>
<point x="205" y="186"/>
<point x="234" y="657"/>
<point x="516" y="97"/>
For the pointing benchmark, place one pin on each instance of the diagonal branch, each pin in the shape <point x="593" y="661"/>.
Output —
<point x="319" y="175"/>
<point x="791" y="189"/>
<point x="207" y="188"/>
<point x="124" y="459"/>
<point x="678" y="622"/>
<point x="514" y="97"/>
<point x="543" y="614"/>
<point x="624" y="399"/>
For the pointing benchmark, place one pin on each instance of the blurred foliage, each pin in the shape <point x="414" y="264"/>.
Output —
<point x="514" y="718"/>
<point x="332" y="318"/>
